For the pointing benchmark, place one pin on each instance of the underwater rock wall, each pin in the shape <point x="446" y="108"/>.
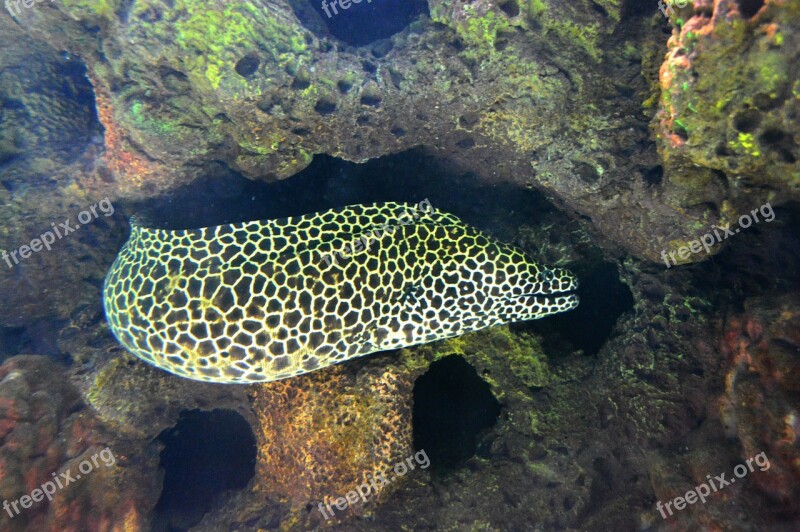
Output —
<point x="556" y="96"/>
<point x="543" y="94"/>
<point x="50" y="142"/>
<point x="726" y="126"/>
<point x="52" y="444"/>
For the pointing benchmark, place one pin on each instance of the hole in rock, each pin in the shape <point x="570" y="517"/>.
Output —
<point x="39" y="337"/>
<point x="604" y="298"/>
<point x="510" y="8"/>
<point x="247" y="65"/>
<point x="205" y="454"/>
<point x="466" y="143"/>
<point x="301" y="82"/>
<point x="599" y="9"/>
<point x="779" y="142"/>
<point x="748" y="8"/>
<point x="371" y="98"/>
<point x="325" y="106"/>
<point x="747" y="121"/>
<point x="361" y="22"/>
<point x="654" y="176"/>
<point x="452" y="405"/>
<point x="344" y="85"/>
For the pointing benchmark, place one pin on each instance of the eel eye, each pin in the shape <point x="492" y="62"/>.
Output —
<point x="546" y="275"/>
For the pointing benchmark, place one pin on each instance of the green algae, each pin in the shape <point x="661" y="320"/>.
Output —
<point x="215" y="40"/>
<point x="101" y="8"/>
<point x="497" y="353"/>
<point x="480" y="33"/>
<point x="536" y="8"/>
<point x="146" y="121"/>
<point x="585" y="36"/>
<point x="747" y="143"/>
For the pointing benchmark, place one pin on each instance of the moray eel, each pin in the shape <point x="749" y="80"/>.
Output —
<point x="265" y="300"/>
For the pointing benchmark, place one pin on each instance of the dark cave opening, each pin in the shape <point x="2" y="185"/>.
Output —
<point x="221" y="195"/>
<point x="205" y="454"/>
<point x="749" y="8"/>
<point x="604" y="298"/>
<point x="360" y="22"/>
<point x="452" y="406"/>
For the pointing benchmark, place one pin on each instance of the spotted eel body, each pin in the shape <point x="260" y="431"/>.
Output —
<point x="263" y="300"/>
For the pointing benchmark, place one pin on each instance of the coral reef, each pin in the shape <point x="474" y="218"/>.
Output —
<point x="730" y="99"/>
<point x="50" y="142"/>
<point x="644" y="131"/>
<point x="761" y="383"/>
<point x="535" y="93"/>
<point x="47" y="433"/>
<point x="323" y="435"/>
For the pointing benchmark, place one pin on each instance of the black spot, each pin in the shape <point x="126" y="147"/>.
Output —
<point x="237" y="353"/>
<point x="242" y="338"/>
<point x="282" y="362"/>
<point x="224" y="300"/>
<point x="466" y="143"/>
<point x="315" y="340"/>
<point x="344" y="86"/>
<point x="242" y="290"/>
<point x="251" y="326"/>
<point x="292" y="345"/>
<point x="176" y="360"/>
<point x="371" y="98"/>
<point x="178" y="300"/>
<point x="301" y="81"/>
<point x="351" y="318"/>
<point x="325" y="106"/>
<point x="747" y="121"/>
<point x="510" y="8"/>
<point x="199" y="330"/>
<point x="748" y="8"/>
<point x="276" y="348"/>
<point x="247" y="65"/>
<point x="205" y="454"/>
<point x="234" y="315"/>
<point x="452" y="405"/>
<point x="291" y="319"/>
